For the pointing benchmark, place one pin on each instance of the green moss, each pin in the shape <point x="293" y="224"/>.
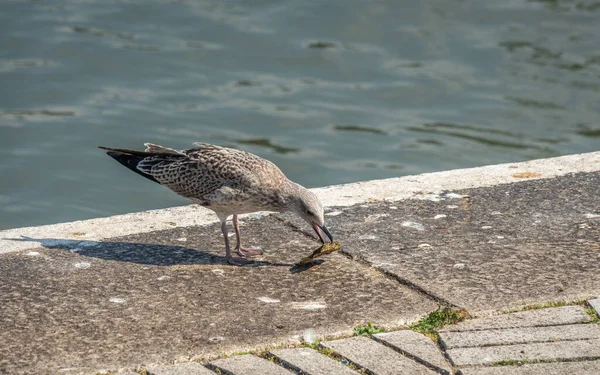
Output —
<point x="437" y="319"/>
<point x="593" y="315"/>
<point x="367" y="329"/>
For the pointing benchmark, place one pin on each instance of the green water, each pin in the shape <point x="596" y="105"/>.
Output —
<point x="331" y="91"/>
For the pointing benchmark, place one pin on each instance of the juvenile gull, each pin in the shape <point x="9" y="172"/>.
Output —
<point x="227" y="181"/>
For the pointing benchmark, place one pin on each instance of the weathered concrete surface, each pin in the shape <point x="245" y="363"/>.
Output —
<point x="558" y="368"/>
<point x="547" y="351"/>
<point x="498" y="248"/>
<point x="310" y="362"/>
<point x="191" y="368"/>
<point x="376" y="357"/>
<point x="529" y="318"/>
<point x="509" y="336"/>
<point x="248" y="364"/>
<point x="417" y="346"/>
<point x="168" y="296"/>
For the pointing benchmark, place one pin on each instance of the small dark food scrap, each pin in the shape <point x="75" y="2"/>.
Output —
<point x="327" y="248"/>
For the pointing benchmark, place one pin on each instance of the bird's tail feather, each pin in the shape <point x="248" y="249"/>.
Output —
<point x="128" y="151"/>
<point x="130" y="159"/>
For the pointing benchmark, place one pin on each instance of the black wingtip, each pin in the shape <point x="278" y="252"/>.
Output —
<point x="129" y="161"/>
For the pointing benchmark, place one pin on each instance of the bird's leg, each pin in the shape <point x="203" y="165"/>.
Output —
<point x="230" y="259"/>
<point x="244" y="251"/>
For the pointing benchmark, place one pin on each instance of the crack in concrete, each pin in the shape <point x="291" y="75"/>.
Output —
<point x="432" y="296"/>
<point x="366" y="263"/>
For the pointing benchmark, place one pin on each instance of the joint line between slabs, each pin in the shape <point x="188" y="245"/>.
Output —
<point x="366" y="263"/>
<point x="339" y="357"/>
<point x="440" y="345"/>
<point x="403" y="281"/>
<point x="529" y="362"/>
<point x="531" y="326"/>
<point x="411" y="356"/>
<point x="281" y="363"/>
<point x="546" y="341"/>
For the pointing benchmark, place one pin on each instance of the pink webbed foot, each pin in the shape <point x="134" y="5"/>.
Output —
<point x="249" y="251"/>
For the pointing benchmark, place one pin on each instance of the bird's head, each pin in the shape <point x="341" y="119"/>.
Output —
<point x="308" y="207"/>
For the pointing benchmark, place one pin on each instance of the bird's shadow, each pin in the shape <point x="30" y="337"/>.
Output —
<point x="142" y="253"/>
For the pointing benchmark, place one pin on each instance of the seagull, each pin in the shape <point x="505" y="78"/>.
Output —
<point x="227" y="181"/>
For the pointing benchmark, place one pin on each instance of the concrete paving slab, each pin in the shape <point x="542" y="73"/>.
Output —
<point x="548" y="351"/>
<point x="595" y="304"/>
<point x="485" y="249"/>
<point x="376" y="357"/>
<point x="248" y="364"/>
<point x="529" y="318"/>
<point x="169" y="296"/>
<point x="418" y="346"/>
<point x="465" y="339"/>
<point x="311" y="362"/>
<point x="191" y="368"/>
<point x="557" y="368"/>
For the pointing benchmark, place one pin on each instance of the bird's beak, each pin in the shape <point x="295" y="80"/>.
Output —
<point x="320" y="230"/>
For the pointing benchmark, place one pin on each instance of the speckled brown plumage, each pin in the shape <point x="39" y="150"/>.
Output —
<point x="225" y="180"/>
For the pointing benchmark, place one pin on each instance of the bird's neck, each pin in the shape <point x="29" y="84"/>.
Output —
<point x="290" y="191"/>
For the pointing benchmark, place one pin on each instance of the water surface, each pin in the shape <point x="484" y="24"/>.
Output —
<point x="332" y="92"/>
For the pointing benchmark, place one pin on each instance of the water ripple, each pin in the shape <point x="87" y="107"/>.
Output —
<point x="266" y="143"/>
<point x="99" y="32"/>
<point x="359" y="128"/>
<point x="433" y="84"/>
<point x="489" y="141"/>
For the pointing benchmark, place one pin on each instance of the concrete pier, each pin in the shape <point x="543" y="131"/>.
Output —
<point x="152" y="289"/>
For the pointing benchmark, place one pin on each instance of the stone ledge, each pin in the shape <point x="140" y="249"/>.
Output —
<point x="392" y="189"/>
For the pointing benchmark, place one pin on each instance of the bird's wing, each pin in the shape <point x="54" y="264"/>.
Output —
<point x="244" y="168"/>
<point x="211" y="174"/>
